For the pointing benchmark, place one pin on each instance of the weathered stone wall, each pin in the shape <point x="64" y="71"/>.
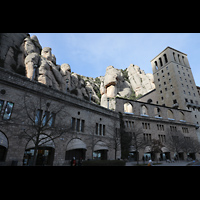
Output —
<point x="17" y="86"/>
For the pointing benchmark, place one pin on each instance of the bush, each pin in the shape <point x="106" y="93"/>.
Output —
<point x="103" y="163"/>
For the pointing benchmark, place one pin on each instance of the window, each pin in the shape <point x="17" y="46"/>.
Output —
<point x="156" y="65"/>
<point x="179" y="58"/>
<point x="165" y="58"/>
<point x="82" y="125"/>
<point x="1" y="105"/>
<point x="78" y="125"/>
<point x="38" y="117"/>
<point x="8" y="111"/>
<point x="73" y="122"/>
<point x="52" y="118"/>
<point x="147" y="137"/>
<point x="174" y="56"/>
<point x="161" y="64"/>
<point x="145" y="125"/>
<point x="170" y="114"/>
<point x="185" y="130"/>
<point x="173" y="128"/>
<point x="45" y="118"/>
<point x="97" y="128"/>
<point x="183" y="60"/>
<point x="174" y="101"/>
<point x="144" y="110"/>
<point x="100" y="129"/>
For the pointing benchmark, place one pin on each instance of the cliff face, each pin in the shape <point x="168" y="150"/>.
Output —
<point x="23" y="54"/>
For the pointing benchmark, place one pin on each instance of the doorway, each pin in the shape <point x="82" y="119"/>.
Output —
<point x="45" y="156"/>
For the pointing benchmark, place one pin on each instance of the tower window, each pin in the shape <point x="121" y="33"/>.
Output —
<point x="156" y="65"/>
<point x="165" y="57"/>
<point x="174" y="56"/>
<point x="161" y="64"/>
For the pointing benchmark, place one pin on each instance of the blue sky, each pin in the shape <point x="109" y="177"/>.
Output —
<point x="89" y="54"/>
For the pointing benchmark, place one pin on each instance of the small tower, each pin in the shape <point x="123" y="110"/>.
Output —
<point x="175" y="85"/>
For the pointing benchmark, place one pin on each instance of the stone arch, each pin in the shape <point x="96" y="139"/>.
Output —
<point x="45" y="152"/>
<point x="3" y="146"/>
<point x="100" y="150"/>
<point x="157" y="112"/>
<point x="128" y="107"/>
<point x="182" y="116"/>
<point x="144" y="110"/>
<point x="170" y="114"/>
<point x="75" y="148"/>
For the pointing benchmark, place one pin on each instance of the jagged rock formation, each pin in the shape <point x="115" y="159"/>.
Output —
<point x="141" y="82"/>
<point x="23" y="54"/>
<point x="129" y="83"/>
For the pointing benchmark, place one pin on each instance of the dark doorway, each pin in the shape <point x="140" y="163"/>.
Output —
<point x="3" y="152"/>
<point x="77" y="153"/>
<point x="45" y="156"/>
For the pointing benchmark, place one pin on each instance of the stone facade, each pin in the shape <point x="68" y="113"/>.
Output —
<point x="72" y="124"/>
<point x="16" y="87"/>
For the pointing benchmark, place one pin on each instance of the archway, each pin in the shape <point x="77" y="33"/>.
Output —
<point x="144" y="110"/>
<point x="128" y="108"/>
<point x="3" y="147"/>
<point x="45" y="152"/>
<point x="170" y="114"/>
<point x="182" y="116"/>
<point x="75" y="148"/>
<point x="100" y="151"/>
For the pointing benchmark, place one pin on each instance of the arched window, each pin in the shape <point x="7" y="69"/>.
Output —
<point x="144" y="110"/>
<point x="156" y="65"/>
<point x="170" y="114"/>
<point x="128" y="108"/>
<point x="182" y="116"/>
<point x="157" y="112"/>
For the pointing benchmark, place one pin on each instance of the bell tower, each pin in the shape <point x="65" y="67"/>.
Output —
<point x="175" y="85"/>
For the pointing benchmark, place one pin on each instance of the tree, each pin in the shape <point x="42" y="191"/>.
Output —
<point x="156" y="146"/>
<point x="125" y="138"/>
<point x="138" y="141"/>
<point x="42" y="122"/>
<point x="175" y="141"/>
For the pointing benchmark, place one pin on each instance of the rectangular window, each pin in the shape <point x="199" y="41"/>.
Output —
<point x="104" y="130"/>
<point x="82" y="125"/>
<point x="78" y="125"/>
<point x="52" y="118"/>
<point x="73" y="123"/>
<point x="46" y="118"/>
<point x="1" y="105"/>
<point x="38" y="117"/>
<point x="100" y="129"/>
<point x="97" y="128"/>
<point x="8" y="111"/>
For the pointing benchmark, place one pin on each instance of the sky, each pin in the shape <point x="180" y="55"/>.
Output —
<point x="89" y="54"/>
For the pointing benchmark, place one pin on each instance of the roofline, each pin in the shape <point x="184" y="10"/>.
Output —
<point x="169" y="48"/>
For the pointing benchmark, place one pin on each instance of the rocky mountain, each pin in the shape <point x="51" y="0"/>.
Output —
<point x="23" y="54"/>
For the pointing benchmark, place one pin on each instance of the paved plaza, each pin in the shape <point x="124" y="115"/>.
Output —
<point x="163" y="163"/>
